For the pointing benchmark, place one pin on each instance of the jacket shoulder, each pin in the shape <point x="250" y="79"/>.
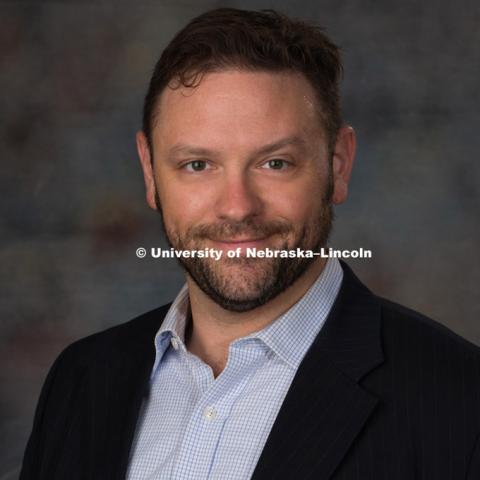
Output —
<point x="119" y="339"/>
<point x="406" y="323"/>
<point x="429" y="355"/>
<point x="79" y="373"/>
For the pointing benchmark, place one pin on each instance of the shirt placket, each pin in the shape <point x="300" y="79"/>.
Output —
<point x="203" y="434"/>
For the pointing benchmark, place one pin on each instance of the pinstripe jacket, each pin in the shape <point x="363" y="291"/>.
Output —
<point x="383" y="393"/>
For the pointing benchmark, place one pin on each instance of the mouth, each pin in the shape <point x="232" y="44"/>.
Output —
<point x="242" y="243"/>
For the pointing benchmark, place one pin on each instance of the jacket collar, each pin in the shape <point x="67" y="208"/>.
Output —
<point x="351" y="337"/>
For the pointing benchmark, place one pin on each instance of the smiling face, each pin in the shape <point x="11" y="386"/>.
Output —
<point x="241" y="161"/>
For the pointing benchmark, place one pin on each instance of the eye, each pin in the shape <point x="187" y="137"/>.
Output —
<point x="196" y="166"/>
<point x="276" y="164"/>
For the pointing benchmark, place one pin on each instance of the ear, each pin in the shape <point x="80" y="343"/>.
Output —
<point x="343" y="156"/>
<point x="147" y="167"/>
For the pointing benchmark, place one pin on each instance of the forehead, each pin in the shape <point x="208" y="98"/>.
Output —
<point x="238" y="105"/>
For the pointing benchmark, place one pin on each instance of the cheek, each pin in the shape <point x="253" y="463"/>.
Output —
<point x="183" y="206"/>
<point x="296" y="203"/>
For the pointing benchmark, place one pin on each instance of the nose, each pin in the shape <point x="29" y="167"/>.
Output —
<point x="239" y="198"/>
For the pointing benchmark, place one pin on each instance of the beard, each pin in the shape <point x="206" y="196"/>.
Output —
<point x="242" y="284"/>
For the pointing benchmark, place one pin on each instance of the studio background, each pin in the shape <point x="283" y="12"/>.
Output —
<point x="73" y="75"/>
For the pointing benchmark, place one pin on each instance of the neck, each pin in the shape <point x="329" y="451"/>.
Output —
<point x="213" y="328"/>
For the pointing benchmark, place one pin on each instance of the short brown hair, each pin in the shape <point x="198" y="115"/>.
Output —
<point x="252" y="40"/>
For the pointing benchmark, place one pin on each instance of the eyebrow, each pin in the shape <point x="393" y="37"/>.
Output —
<point x="292" y="140"/>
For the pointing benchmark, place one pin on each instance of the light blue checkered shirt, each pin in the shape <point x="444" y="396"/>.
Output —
<point x="194" y="426"/>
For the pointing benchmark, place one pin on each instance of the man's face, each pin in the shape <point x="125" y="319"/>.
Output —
<point x="241" y="161"/>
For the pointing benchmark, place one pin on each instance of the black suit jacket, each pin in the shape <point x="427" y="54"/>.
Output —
<point x="383" y="393"/>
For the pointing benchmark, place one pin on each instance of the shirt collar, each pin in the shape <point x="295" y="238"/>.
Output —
<point x="173" y="326"/>
<point x="289" y="336"/>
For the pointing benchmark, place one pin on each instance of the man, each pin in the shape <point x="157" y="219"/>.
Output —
<point x="261" y="368"/>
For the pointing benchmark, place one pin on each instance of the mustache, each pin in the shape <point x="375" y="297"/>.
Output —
<point x="247" y="228"/>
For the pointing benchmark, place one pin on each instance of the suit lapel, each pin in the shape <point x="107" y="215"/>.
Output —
<point x="326" y="408"/>
<point x="127" y="389"/>
<point x="127" y="381"/>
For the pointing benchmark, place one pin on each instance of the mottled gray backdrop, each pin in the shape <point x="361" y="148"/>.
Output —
<point x="72" y="78"/>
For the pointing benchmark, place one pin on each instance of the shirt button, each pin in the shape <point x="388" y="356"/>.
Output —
<point x="210" y="413"/>
<point x="174" y="343"/>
